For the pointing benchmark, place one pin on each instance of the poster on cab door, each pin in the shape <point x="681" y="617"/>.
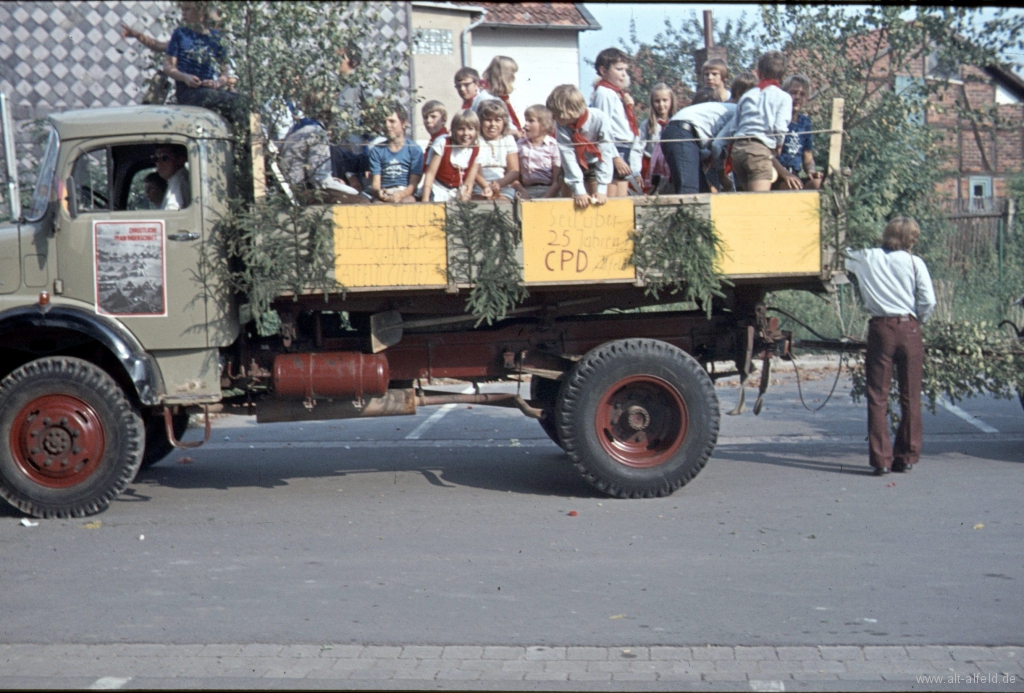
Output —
<point x="130" y="270"/>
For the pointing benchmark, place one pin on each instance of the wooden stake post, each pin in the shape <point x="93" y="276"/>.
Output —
<point x="835" y="140"/>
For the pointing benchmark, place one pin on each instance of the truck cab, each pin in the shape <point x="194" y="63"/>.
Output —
<point x="101" y="252"/>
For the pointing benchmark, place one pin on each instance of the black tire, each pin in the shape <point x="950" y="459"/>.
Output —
<point x="84" y="458"/>
<point x="157" y="445"/>
<point x="545" y="391"/>
<point x="638" y="418"/>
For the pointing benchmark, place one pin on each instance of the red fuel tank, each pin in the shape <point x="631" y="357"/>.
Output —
<point x="331" y="374"/>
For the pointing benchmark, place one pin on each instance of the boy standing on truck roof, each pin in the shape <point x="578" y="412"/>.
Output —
<point x="396" y="166"/>
<point x="195" y="60"/>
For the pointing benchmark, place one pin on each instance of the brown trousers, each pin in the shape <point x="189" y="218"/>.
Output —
<point x="894" y="340"/>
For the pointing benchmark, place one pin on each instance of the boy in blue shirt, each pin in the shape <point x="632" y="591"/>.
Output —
<point x="798" y="149"/>
<point x="194" y="60"/>
<point x="397" y="165"/>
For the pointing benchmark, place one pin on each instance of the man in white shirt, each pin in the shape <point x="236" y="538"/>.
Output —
<point x="169" y="160"/>
<point x="897" y="291"/>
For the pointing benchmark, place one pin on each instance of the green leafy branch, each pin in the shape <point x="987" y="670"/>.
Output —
<point x="482" y="243"/>
<point x="674" y="250"/>
<point x="961" y="359"/>
<point x="273" y="248"/>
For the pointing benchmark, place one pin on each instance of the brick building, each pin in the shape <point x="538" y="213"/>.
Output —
<point x="988" y="148"/>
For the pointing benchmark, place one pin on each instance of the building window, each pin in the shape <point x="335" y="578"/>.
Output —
<point x="914" y="86"/>
<point x="432" y="42"/>
<point x="979" y="190"/>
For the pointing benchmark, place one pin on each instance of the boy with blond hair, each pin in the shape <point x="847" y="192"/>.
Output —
<point x="585" y="142"/>
<point x="714" y="75"/>
<point x="762" y="121"/>
<point x="435" y="120"/>
<point x="610" y="97"/>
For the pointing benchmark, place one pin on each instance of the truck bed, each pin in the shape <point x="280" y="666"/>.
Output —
<point x="397" y="256"/>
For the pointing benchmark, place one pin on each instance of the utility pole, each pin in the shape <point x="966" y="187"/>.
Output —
<point x="710" y="50"/>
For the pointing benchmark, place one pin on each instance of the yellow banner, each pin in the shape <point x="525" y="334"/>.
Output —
<point x="563" y="244"/>
<point x="768" y="233"/>
<point x="390" y="245"/>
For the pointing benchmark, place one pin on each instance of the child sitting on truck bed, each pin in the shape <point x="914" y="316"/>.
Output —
<point x="585" y="142"/>
<point x="798" y="150"/>
<point x="540" y="164"/>
<point x="467" y="83"/>
<point x="396" y="165"/>
<point x="454" y="161"/>
<point x="499" y="157"/>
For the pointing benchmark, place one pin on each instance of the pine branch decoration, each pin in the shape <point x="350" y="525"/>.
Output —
<point x="482" y="242"/>
<point x="271" y="248"/>
<point x="674" y="250"/>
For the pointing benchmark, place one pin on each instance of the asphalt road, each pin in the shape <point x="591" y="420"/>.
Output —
<point x="351" y="532"/>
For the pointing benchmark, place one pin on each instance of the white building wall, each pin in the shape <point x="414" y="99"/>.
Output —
<point x="546" y="58"/>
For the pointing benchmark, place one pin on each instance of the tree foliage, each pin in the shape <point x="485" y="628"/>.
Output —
<point x="669" y="56"/>
<point x="286" y="54"/>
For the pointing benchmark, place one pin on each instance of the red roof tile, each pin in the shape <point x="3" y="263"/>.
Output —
<point x="536" y="14"/>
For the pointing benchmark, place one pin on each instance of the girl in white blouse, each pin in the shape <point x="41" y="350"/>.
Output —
<point x="499" y="155"/>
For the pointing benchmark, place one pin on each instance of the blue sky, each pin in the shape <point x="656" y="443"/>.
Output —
<point x="614" y="19"/>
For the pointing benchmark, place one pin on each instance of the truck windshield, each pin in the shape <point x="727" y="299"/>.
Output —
<point x="44" y="181"/>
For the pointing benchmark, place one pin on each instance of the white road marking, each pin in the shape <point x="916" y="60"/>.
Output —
<point x="969" y="418"/>
<point x="108" y="683"/>
<point x="767" y="686"/>
<point x="417" y="432"/>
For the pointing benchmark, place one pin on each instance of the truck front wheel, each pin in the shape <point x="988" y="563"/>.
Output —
<point x="638" y="418"/>
<point x="70" y="441"/>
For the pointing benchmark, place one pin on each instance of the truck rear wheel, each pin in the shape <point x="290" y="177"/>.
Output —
<point x="638" y="418"/>
<point x="70" y="441"/>
<point x="545" y="391"/>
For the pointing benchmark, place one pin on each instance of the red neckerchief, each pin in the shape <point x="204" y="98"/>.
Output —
<point x="662" y="123"/>
<point x="582" y="145"/>
<point x="765" y="83"/>
<point x="630" y="114"/>
<point x="433" y="138"/>
<point x="511" y="111"/>
<point x="440" y="133"/>
<point x="467" y="104"/>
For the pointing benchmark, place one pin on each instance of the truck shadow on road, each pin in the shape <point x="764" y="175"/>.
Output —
<point x="535" y="471"/>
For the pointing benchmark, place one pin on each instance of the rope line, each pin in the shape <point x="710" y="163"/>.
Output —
<point x="645" y="142"/>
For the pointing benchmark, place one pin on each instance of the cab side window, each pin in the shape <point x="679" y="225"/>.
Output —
<point x="91" y="178"/>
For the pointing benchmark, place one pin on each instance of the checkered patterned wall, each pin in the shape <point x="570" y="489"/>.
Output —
<point x="56" y="56"/>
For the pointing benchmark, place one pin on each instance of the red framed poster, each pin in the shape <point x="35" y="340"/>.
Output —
<point x="131" y="271"/>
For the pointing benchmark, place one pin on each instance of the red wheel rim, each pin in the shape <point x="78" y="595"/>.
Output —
<point x="642" y="421"/>
<point x="57" y="440"/>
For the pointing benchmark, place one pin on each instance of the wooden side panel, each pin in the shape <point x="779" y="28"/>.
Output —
<point x="394" y="246"/>
<point x="562" y="244"/>
<point x="772" y="233"/>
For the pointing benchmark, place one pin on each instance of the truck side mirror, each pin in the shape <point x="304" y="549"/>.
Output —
<point x="72" y="197"/>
